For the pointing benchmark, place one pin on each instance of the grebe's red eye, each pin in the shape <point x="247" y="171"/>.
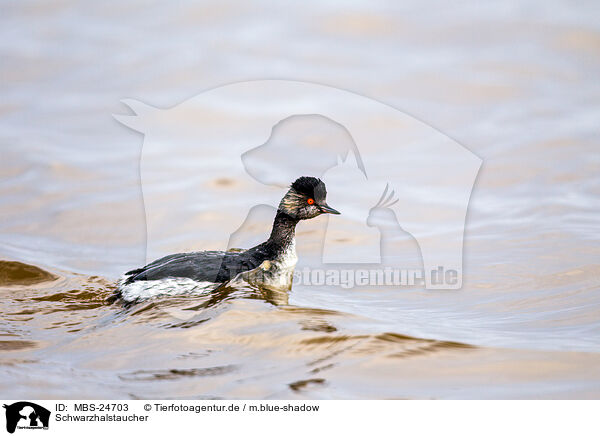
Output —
<point x="310" y="201"/>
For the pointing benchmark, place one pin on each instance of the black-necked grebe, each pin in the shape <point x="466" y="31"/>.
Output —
<point x="187" y="273"/>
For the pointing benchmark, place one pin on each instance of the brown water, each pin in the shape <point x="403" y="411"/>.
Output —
<point x="515" y="83"/>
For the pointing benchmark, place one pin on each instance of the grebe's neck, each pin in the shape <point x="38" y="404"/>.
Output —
<point x="284" y="231"/>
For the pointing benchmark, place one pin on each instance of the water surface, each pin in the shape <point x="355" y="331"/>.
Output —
<point x="516" y="83"/>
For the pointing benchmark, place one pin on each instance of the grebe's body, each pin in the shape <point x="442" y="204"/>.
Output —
<point x="271" y="262"/>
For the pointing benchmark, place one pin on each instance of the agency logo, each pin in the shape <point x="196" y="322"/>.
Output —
<point x="24" y="415"/>
<point x="402" y="187"/>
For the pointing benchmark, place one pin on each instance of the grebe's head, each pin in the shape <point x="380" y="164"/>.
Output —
<point x="306" y="199"/>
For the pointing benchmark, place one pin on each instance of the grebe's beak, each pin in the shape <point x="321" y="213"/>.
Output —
<point x="326" y="209"/>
